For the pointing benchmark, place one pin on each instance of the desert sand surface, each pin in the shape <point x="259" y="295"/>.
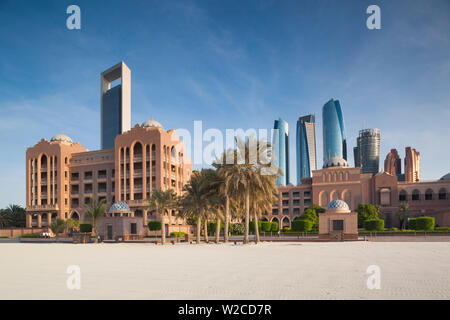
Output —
<point x="408" y="270"/>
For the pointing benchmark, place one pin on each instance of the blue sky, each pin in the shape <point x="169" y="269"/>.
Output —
<point x="231" y="64"/>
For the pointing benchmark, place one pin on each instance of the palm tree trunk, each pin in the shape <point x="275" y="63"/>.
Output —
<point x="227" y="221"/>
<point x="205" y="223"/>
<point x="199" y="226"/>
<point x="163" y="230"/>
<point x="94" y="227"/>
<point x="217" y="229"/>
<point x="255" y="218"/>
<point x="247" y="215"/>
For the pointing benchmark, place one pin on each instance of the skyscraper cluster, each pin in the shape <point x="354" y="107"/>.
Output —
<point x="366" y="153"/>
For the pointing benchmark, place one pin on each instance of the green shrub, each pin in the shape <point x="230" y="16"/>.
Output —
<point x="31" y="235"/>
<point x="374" y="224"/>
<point x="154" y="225"/>
<point x="286" y="229"/>
<point x="393" y="229"/>
<point x="177" y="234"/>
<point x="366" y="212"/>
<point x="302" y="225"/>
<point x="412" y="224"/>
<point x="237" y="228"/>
<point x="274" y="227"/>
<point x="424" y="223"/>
<point x="252" y="226"/>
<point x="85" y="227"/>
<point x="266" y="226"/>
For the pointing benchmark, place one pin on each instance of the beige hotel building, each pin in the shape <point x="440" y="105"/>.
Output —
<point x="63" y="175"/>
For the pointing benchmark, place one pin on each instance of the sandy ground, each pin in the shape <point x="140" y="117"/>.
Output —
<point x="408" y="270"/>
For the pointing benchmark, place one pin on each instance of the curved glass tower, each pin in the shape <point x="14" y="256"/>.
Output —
<point x="334" y="140"/>
<point x="306" y="147"/>
<point x="281" y="150"/>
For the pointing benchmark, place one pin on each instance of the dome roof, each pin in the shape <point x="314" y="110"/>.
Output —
<point x="119" y="206"/>
<point x="152" y="123"/>
<point x="335" y="162"/>
<point x="62" y="138"/>
<point x="446" y="177"/>
<point x="338" y="205"/>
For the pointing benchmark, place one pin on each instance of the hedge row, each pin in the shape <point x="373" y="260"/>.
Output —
<point x="421" y="223"/>
<point x="177" y="234"/>
<point x="374" y="224"/>
<point x="85" y="227"/>
<point x="302" y="225"/>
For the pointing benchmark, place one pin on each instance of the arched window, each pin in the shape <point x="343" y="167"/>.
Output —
<point x="402" y="196"/>
<point x="429" y="194"/>
<point x="173" y="152"/>
<point x="416" y="195"/>
<point x="75" y="216"/>
<point x="138" y="213"/>
<point x="323" y="198"/>
<point x="442" y="194"/>
<point x="137" y="149"/>
<point x="341" y="176"/>
<point x="286" y="222"/>
<point x="334" y="195"/>
<point x="347" y="197"/>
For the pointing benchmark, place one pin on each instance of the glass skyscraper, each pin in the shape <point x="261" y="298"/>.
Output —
<point x="115" y="104"/>
<point x="306" y="146"/>
<point x="281" y="150"/>
<point x="367" y="150"/>
<point x="334" y="140"/>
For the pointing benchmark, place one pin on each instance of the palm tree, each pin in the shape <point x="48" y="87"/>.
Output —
<point x="162" y="202"/>
<point x="4" y="219"/>
<point x="225" y="189"/>
<point x="264" y="196"/>
<point x="251" y="162"/>
<point x="57" y="227"/>
<point x="94" y="211"/>
<point x="200" y="198"/>
<point x="16" y="216"/>
<point x="403" y="214"/>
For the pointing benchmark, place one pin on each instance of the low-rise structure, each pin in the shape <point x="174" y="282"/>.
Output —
<point x="61" y="175"/>
<point x="338" y="181"/>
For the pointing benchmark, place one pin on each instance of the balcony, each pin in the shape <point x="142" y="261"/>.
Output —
<point x="43" y="207"/>
<point x="140" y="202"/>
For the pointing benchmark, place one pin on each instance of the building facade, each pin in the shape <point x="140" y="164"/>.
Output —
<point x="338" y="181"/>
<point x="412" y="165"/>
<point x="281" y="150"/>
<point x="306" y="147"/>
<point x="115" y="104"/>
<point x="63" y="175"/>
<point x="367" y="150"/>
<point x="334" y="139"/>
<point x="393" y="163"/>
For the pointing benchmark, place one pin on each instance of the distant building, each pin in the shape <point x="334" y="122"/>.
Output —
<point x="367" y="151"/>
<point x="338" y="181"/>
<point x="393" y="163"/>
<point x="281" y="150"/>
<point x="306" y="146"/>
<point x="412" y="165"/>
<point x="334" y="139"/>
<point x="115" y="104"/>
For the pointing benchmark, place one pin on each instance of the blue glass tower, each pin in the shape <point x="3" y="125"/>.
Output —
<point x="306" y="146"/>
<point x="334" y="140"/>
<point x="281" y="150"/>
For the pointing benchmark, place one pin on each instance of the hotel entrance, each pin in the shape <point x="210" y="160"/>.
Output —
<point x="109" y="232"/>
